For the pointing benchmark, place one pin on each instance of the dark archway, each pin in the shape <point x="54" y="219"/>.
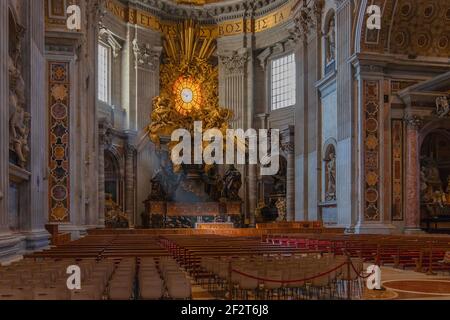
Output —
<point x="435" y="180"/>
<point x="113" y="181"/>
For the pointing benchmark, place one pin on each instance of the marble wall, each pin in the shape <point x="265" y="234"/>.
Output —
<point x="23" y="191"/>
<point x="331" y="107"/>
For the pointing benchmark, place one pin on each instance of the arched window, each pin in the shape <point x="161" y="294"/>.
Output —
<point x="112" y="177"/>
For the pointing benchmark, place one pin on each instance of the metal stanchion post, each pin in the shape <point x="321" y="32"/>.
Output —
<point x="430" y="263"/>
<point x="349" y="287"/>
<point x="230" y="283"/>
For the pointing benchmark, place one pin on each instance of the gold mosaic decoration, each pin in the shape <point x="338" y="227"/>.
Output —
<point x="188" y="86"/>
<point x="397" y="169"/>
<point x="371" y="152"/>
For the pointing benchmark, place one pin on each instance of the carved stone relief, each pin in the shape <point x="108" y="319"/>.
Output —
<point x="146" y="56"/>
<point x="19" y="119"/>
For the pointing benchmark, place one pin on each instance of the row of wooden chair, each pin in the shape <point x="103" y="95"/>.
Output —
<point x="122" y="284"/>
<point x="421" y="253"/>
<point x="295" y="277"/>
<point x="106" y="246"/>
<point x="177" y="283"/>
<point x="47" y="280"/>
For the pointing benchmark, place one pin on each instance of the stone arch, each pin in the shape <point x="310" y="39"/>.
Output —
<point x="441" y="125"/>
<point x="434" y="183"/>
<point x="113" y="175"/>
<point x="409" y="27"/>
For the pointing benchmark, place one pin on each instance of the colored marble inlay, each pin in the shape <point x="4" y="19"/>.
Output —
<point x="397" y="170"/>
<point x="371" y="150"/>
<point x="59" y="165"/>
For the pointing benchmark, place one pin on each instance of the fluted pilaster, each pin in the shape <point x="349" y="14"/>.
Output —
<point x="146" y="65"/>
<point x="129" y="183"/>
<point x="288" y="147"/>
<point x="347" y="214"/>
<point x="4" y="117"/>
<point x="412" y="219"/>
<point x="232" y="93"/>
<point x="37" y="100"/>
<point x="101" y="171"/>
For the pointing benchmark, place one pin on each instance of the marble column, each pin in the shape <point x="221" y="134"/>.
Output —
<point x="287" y="147"/>
<point x="101" y="172"/>
<point x="4" y="117"/>
<point x="233" y="94"/>
<point x="146" y="65"/>
<point x="412" y="223"/>
<point x="252" y="192"/>
<point x="232" y="90"/>
<point x="302" y="33"/>
<point x="262" y="117"/>
<point x="347" y="208"/>
<point x="35" y="216"/>
<point x="129" y="183"/>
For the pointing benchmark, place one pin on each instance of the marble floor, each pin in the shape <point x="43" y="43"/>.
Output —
<point x="407" y="284"/>
<point x="397" y="284"/>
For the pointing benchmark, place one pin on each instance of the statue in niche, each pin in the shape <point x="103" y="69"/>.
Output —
<point x="157" y="192"/>
<point x="114" y="216"/>
<point x="279" y="180"/>
<point x="232" y="184"/>
<point x="281" y="208"/>
<point x="213" y="183"/>
<point x="258" y="211"/>
<point x="330" y="41"/>
<point x="330" y="167"/>
<point x="442" y="106"/>
<point x="423" y="180"/>
<point x="431" y="174"/>
<point x="431" y="187"/>
<point x="447" y="190"/>
<point x="21" y="127"/>
<point x="164" y="182"/>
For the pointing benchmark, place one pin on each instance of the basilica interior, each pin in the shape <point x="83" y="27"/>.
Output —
<point x="362" y="123"/>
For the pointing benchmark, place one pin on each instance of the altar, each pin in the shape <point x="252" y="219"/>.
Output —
<point x="214" y="225"/>
<point x="187" y="189"/>
<point x="162" y="214"/>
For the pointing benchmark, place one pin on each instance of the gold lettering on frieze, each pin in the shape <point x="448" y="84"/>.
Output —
<point x="132" y="16"/>
<point x="144" y="20"/>
<point x="249" y="26"/>
<point x="227" y="28"/>
<point x="273" y="19"/>
<point x="261" y="24"/>
<point x="231" y="28"/>
<point x="208" y="32"/>
<point x="116" y="9"/>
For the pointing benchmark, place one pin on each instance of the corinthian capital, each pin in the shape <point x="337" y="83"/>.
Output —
<point x="413" y="122"/>
<point x="317" y="10"/>
<point x="304" y="21"/>
<point x="146" y="56"/>
<point x="235" y="62"/>
<point x="96" y="11"/>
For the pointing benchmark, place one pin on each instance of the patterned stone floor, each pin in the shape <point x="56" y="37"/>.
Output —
<point x="398" y="285"/>
<point x="405" y="284"/>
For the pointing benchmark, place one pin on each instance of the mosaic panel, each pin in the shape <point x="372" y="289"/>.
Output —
<point x="58" y="119"/>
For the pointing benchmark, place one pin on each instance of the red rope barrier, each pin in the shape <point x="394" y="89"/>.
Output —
<point x="357" y="272"/>
<point x="288" y="281"/>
